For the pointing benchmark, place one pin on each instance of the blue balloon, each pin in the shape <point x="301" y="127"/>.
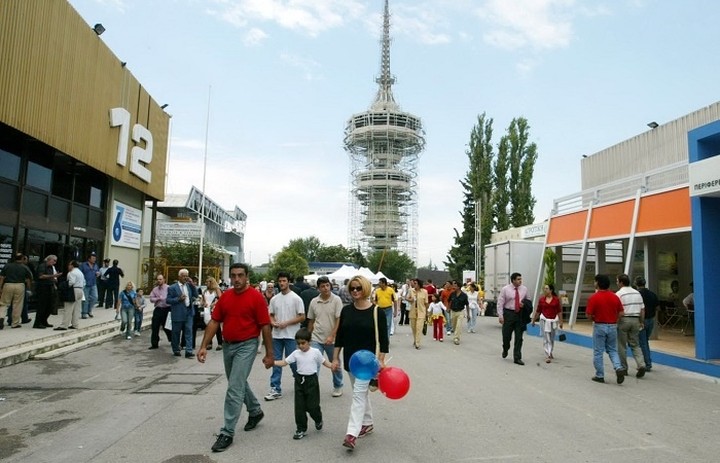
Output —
<point x="364" y="364"/>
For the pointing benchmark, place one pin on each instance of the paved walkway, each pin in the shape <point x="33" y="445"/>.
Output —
<point x="13" y="337"/>
<point x="120" y="402"/>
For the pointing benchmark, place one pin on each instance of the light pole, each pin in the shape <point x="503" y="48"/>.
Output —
<point x="202" y="204"/>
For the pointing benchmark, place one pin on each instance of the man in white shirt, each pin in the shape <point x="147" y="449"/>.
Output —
<point x="630" y="324"/>
<point x="287" y="312"/>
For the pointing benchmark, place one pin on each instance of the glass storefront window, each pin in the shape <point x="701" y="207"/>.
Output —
<point x="10" y="165"/>
<point x="96" y="197"/>
<point x="62" y="183"/>
<point x="39" y="176"/>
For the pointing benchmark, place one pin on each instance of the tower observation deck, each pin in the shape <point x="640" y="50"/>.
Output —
<point x="384" y="144"/>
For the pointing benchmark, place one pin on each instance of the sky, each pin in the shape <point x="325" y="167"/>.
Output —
<point x="270" y="85"/>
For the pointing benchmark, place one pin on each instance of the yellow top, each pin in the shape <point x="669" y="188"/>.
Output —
<point x="384" y="297"/>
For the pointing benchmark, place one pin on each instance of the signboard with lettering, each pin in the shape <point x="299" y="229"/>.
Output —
<point x="173" y="231"/>
<point x="126" y="227"/>
<point x="704" y="177"/>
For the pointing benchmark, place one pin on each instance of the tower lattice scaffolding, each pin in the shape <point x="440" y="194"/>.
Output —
<point x="384" y="144"/>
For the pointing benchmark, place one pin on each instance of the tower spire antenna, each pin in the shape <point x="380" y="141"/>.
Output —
<point x="385" y="81"/>
<point x="384" y="144"/>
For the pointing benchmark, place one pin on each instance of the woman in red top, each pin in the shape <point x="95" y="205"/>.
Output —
<point x="549" y="311"/>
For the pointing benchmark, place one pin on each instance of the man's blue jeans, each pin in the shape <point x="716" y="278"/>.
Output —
<point x="388" y="319"/>
<point x="281" y="349"/>
<point x="605" y="340"/>
<point x="91" y="297"/>
<point x="238" y="359"/>
<point x="644" y="338"/>
<point x="176" y="328"/>
<point x="329" y="350"/>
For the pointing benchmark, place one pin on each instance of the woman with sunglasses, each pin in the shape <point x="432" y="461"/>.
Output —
<point x="357" y="331"/>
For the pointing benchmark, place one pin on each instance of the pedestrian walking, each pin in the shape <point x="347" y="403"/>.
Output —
<point x="436" y="312"/>
<point x="307" y="388"/>
<point x="127" y="309"/>
<point x="604" y="308"/>
<point x="244" y="315"/>
<point x="362" y="326"/>
<point x="549" y="312"/>
<point x="509" y="316"/>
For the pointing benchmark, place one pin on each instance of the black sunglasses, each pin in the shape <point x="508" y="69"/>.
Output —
<point x="356" y="288"/>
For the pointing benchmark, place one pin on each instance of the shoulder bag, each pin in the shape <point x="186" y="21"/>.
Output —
<point x="374" y="382"/>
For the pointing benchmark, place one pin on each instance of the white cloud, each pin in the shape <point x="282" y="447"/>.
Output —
<point x="536" y="24"/>
<point x="254" y="36"/>
<point x="309" y="67"/>
<point x="307" y="16"/>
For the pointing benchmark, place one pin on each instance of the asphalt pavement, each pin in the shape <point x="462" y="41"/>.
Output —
<point x="120" y="402"/>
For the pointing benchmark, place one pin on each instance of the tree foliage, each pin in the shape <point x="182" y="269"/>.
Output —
<point x="289" y="260"/>
<point x="394" y="264"/>
<point x="501" y="183"/>
<point x="522" y="164"/>
<point x="501" y="195"/>
<point x="478" y="188"/>
<point x="335" y="253"/>
<point x="187" y="253"/>
<point x="307" y="248"/>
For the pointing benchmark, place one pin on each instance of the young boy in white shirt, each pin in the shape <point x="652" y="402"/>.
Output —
<point x="307" y="387"/>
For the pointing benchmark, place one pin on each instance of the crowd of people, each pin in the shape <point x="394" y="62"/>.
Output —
<point x="307" y="326"/>
<point x="83" y="287"/>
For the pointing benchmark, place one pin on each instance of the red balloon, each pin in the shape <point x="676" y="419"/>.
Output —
<point x="393" y="382"/>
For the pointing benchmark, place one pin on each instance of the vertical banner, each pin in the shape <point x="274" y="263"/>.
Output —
<point x="127" y="226"/>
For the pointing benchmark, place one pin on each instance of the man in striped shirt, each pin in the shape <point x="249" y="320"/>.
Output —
<point x="630" y="323"/>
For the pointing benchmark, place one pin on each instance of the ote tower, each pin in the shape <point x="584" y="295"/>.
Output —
<point x="384" y="144"/>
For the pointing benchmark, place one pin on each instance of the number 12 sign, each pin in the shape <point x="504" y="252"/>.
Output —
<point x="139" y="156"/>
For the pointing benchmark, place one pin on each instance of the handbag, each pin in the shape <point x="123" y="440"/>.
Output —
<point x="373" y="386"/>
<point x="424" y="328"/>
<point x="562" y="337"/>
<point x="168" y="322"/>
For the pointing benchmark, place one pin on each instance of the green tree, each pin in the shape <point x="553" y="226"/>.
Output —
<point x="179" y="254"/>
<point x="394" y="264"/>
<point x="501" y="194"/>
<point x="358" y="258"/>
<point x="549" y="257"/>
<point x="288" y="260"/>
<point x="307" y="248"/>
<point x="336" y="253"/>
<point x="478" y="188"/>
<point x="462" y="254"/>
<point x="522" y="164"/>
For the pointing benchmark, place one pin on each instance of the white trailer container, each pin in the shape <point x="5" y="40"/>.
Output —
<point x="507" y="257"/>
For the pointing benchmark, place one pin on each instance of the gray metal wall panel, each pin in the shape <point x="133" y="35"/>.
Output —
<point x="664" y="145"/>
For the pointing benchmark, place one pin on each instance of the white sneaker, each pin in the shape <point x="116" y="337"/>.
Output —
<point x="129" y="337"/>
<point x="274" y="394"/>
<point x="337" y="392"/>
<point x="137" y="333"/>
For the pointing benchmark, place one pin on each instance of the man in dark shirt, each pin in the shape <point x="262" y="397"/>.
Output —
<point x="458" y="306"/>
<point x="112" y="277"/>
<point x="90" y="271"/>
<point x="307" y="295"/>
<point x="15" y="278"/>
<point x="650" y="300"/>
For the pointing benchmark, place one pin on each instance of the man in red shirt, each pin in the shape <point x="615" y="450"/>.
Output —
<point x="604" y="308"/>
<point x="244" y="315"/>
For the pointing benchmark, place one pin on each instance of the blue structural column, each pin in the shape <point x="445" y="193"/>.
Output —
<point x="704" y="149"/>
